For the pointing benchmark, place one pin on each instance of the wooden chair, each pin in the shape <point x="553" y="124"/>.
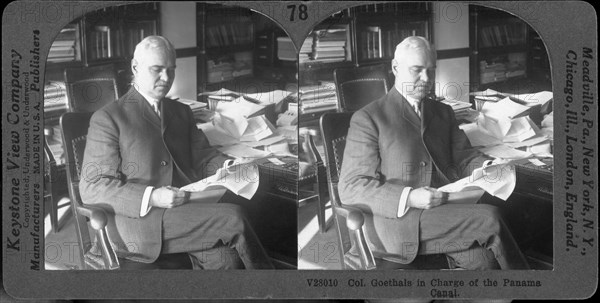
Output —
<point x="98" y="254"/>
<point x="353" y="247"/>
<point x="313" y="172"/>
<point x="90" y="88"/>
<point x="359" y="86"/>
<point x="50" y="188"/>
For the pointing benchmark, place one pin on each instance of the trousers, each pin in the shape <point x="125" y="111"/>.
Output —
<point x="197" y="228"/>
<point x="474" y="236"/>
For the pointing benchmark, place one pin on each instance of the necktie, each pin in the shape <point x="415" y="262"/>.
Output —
<point x="156" y="106"/>
<point x="418" y="108"/>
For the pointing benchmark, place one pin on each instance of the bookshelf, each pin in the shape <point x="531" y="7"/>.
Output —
<point x="238" y="50"/>
<point x="508" y="55"/>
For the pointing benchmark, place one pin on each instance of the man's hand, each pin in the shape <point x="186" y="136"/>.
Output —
<point x="426" y="198"/>
<point x="168" y="197"/>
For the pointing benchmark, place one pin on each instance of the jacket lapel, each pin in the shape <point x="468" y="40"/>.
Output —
<point x="407" y="112"/>
<point x="147" y="111"/>
<point x="427" y="109"/>
<point x="166" y="113"/>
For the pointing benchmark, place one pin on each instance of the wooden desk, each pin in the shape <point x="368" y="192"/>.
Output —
<point x="273" y="213"/>
<point x="529" y="212"/>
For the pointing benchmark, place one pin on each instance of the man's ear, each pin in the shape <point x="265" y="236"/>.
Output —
<point x="394" y="66"/>
<point x="134" y="64"/>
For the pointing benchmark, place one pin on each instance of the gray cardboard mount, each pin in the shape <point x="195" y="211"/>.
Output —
<point x="569" y="30"/>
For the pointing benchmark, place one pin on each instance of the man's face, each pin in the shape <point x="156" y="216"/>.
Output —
<point x="414" y="72"/>
<point x="154" y="72"/>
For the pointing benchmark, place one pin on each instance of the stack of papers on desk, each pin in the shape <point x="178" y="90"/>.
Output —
<point x="507" y="121"/>
<point x="457" y="106"/>
<point x="488" y="95"/>
<point x="197" y="107"/>
<point x="479" y="136"/>
<point x="244" y="129"/>
<point x="264" y="141"/>
<point x="270" y="97"/>
<point x="221" y="95"/>
<point x="540" y="98"/>
<point x="260" y="98"/>
<point x="240" y="107"/>
<point x="505" y="108"/>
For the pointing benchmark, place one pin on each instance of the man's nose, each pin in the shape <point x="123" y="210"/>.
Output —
<point x="425" y="76"/>
<point x="164" y="75"/>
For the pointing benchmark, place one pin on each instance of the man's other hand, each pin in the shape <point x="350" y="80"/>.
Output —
<point x="168" y="197"/>
<point x="426" y="198"/>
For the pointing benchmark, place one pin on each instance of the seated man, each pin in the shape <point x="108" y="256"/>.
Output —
<point x="140" y="150"/>
<point x="402" y="147"/>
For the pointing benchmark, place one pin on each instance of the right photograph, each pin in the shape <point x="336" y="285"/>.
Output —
<point x="426" y="140"/>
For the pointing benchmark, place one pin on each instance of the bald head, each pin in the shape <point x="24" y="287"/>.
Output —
<point x="153" y="44"/>
<point x="414" y="43"/>
<point x="153" y="66"/>
<point x="414" y="67"/>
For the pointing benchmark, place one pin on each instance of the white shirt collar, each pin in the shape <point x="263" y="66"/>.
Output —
<point x="413" y="102"/>
<point x="152" y="101"/>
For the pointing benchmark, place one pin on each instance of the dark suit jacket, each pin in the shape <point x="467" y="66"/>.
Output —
<point x="388" y="148"/>
<point x="129" y="148"/>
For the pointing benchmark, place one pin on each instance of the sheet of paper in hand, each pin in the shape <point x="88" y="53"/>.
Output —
<point x="498" y="180"/>
<point x="241" y="179"/>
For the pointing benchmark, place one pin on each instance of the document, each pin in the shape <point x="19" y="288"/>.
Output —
<point x="505" y="152"/>
<point x="241" y="179"/>
<point x="542" y="98"/>
<point x="257" y="129"/>
<point x="508" y="129"/>
<point x="498" y="180"/>
<point x="193" y="104"/>
<point x="478" y="136"/>
<point x="264" y="142"/>
<point x="488" y="93"/>
<point x="505" y="108"/>
<point x="239" y="107"/>
<point x="216" y="135"/>
<point x="537" y="162"/>
<point x="529" y="142"/>
<point x="261" y="98"/>
<point x="245" y="129"/>
<point x="223" y="94"/>
<point x="243" y="151"/>
<point x="270" y="97"/>
<point x="541" y="150"/>
<point x="521" y="129"/>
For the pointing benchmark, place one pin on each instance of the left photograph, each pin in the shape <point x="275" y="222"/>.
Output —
<point x="171" y="140"/>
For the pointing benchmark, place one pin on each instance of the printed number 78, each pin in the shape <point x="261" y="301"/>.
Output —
<point x="302" y="11"/>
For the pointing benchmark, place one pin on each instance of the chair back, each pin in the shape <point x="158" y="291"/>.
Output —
<point x="74" y="127"/>
<point x="359" y="86"/>
<point x="90" y="88"/>
<point x="334" y="128"/>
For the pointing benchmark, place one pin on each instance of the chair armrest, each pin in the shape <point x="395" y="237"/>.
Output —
<point x="98" y="221"/>
<point x="96" y="215"/>
<point x="354" y="222"/>
<point x="354" y="217"/>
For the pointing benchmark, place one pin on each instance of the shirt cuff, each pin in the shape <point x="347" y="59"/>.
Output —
<point x="145" y="209"/>
<point x="402" y="208"/>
